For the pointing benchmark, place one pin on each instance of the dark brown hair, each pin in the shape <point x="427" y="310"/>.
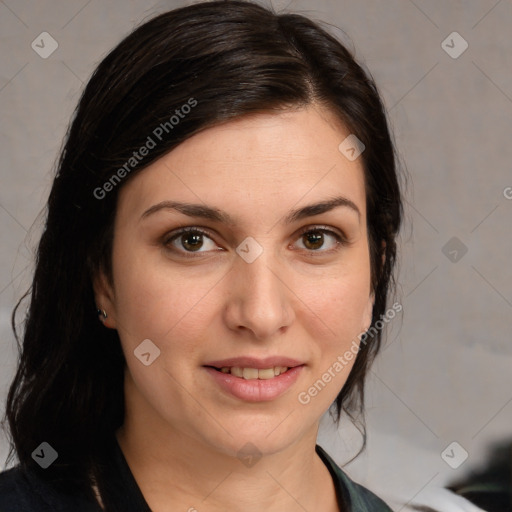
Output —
<point x="232" y="58"/>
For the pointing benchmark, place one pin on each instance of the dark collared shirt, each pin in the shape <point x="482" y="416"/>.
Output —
<point x="24" y="491"/>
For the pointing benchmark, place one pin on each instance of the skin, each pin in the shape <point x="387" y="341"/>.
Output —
<point x="300" y="299"/>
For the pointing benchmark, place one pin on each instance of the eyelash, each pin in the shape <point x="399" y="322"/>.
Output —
<point x="170" y="237"/>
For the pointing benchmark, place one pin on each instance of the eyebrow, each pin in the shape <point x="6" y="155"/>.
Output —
<point x="215" y="214"/>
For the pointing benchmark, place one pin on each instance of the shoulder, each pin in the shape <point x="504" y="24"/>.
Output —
<point x="23" y="491"/>
<point x="354" y="496"/>
<point x="14" y="491"/>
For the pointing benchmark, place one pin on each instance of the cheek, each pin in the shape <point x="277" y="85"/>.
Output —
<point x="154" y="303"/>
<point x="336" y="304"/>
<point x="334" y="320"/>
<point x="169" y="310"/>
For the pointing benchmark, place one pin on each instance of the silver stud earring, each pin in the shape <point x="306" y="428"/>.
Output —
<point x="102" y="312"/>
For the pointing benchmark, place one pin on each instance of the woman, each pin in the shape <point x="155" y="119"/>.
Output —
<point x="217" y="258"/>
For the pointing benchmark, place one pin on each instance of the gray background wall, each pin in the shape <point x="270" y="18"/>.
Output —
<point x="445" y="374"/>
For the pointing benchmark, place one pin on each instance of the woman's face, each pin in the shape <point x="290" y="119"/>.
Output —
<point x="271" y="270"/>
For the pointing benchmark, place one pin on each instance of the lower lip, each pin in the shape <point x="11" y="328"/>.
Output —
<point x="256" y="390"/>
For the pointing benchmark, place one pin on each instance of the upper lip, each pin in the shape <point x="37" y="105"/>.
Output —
<point x="253" y="362"/>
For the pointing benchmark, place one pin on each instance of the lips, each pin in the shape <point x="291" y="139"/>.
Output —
<point x="254" y="389"/>
<point x="254" y="379"/>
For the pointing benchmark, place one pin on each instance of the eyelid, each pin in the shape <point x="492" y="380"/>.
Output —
<point x="185" y="229"/>
<point x="326" y="229"/>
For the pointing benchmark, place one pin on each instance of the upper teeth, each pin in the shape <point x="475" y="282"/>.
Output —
<point x="255" y="373"/>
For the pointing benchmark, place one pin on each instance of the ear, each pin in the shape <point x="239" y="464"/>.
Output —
<point x="105" y="299"/>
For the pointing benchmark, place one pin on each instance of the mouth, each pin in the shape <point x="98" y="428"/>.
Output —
<point x="248" y="373"/>
<point x="255" y="379"/>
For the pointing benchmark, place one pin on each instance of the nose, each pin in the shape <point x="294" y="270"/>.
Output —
<point x="259" y="302"/>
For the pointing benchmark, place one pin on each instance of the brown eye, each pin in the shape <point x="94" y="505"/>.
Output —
<point x="190" y="240"/>
<point x="320" y="240"/>
<point x="313" y="240"/>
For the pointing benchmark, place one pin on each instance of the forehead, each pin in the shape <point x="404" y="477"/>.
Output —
<point x="267" y="161"/>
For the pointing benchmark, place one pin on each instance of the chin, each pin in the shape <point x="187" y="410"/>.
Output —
<point x="249" y="435"/>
